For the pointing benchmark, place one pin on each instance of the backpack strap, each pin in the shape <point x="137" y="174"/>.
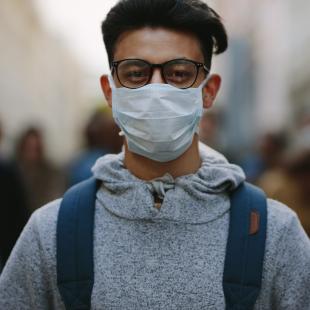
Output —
<point x="245" y="247"/>
<point x="75" y="274"/>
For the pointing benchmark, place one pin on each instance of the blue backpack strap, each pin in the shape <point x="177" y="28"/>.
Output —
<point x="75" y="270"/>
<point x="245" y="247"/>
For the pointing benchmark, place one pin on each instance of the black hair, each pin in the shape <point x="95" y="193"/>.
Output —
<point x="193" y="16"/>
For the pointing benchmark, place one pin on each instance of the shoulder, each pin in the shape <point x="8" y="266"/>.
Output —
<point x="283" y="226"/>
<point x="44" y="222"/>
<point x="280" y="218"/>
<point x="47" y="215"/>
<point x="285" y="236"/>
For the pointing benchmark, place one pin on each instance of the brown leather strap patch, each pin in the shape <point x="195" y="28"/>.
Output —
<point x="254" y="222"/>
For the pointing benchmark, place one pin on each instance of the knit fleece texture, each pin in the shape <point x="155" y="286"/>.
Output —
<point x="168" y="258"/>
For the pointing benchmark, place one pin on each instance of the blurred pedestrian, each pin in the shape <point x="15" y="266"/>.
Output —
<point x="101" y="136"/>
<point x="267" y="158"/>
<point x="290" y="182"/>
<point x="44" y="181"/>
<point x="14" y="209"/>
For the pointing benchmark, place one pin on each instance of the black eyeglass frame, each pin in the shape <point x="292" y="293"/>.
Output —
<point x="115" y="64"/>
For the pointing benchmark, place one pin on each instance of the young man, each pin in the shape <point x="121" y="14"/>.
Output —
<point x="162" y="210"/>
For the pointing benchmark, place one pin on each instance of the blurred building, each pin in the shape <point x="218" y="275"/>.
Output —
<point x="40" y="81"/>
<point x="266" y="72"/>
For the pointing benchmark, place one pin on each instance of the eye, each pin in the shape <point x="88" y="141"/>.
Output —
<point x="179" y="73"/>
<point x="133" y="73"/>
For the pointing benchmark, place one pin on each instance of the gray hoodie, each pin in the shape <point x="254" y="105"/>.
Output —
<point x="167" y="258"/>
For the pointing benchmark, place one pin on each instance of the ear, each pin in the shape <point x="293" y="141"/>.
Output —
<point x="106" y="88"/>
<point x="210" y="90"/>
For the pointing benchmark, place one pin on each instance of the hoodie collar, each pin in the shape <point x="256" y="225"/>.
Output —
<point x="195" y="198"/>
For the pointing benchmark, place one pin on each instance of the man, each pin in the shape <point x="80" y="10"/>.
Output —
<point x="162" y="211"/>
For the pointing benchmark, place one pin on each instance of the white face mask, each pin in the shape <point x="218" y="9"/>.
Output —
<point x="159" y="121"/>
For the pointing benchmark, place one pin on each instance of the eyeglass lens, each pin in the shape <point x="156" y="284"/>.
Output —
<point x="137" y="73"/>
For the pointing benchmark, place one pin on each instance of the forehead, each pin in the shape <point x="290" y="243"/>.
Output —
<point x="158" y="45"/>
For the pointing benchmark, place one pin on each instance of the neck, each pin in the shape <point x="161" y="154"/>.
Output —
<point x="147" y="169"/>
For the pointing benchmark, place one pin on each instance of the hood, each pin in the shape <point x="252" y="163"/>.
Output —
<point x="195" y="198"/>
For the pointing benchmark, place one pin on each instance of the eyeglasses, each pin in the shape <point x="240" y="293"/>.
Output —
<point x="135" y="73"/>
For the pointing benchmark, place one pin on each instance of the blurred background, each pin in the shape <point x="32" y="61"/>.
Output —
<point x="54" y="122"/>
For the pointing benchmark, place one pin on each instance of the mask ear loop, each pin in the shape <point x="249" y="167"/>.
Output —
<point x="111" y="81"/>
<point x="205" y="81"/>
<point x="203" y="84"/>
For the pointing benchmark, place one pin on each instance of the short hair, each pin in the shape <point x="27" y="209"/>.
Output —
<point x="193" y="16"/>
